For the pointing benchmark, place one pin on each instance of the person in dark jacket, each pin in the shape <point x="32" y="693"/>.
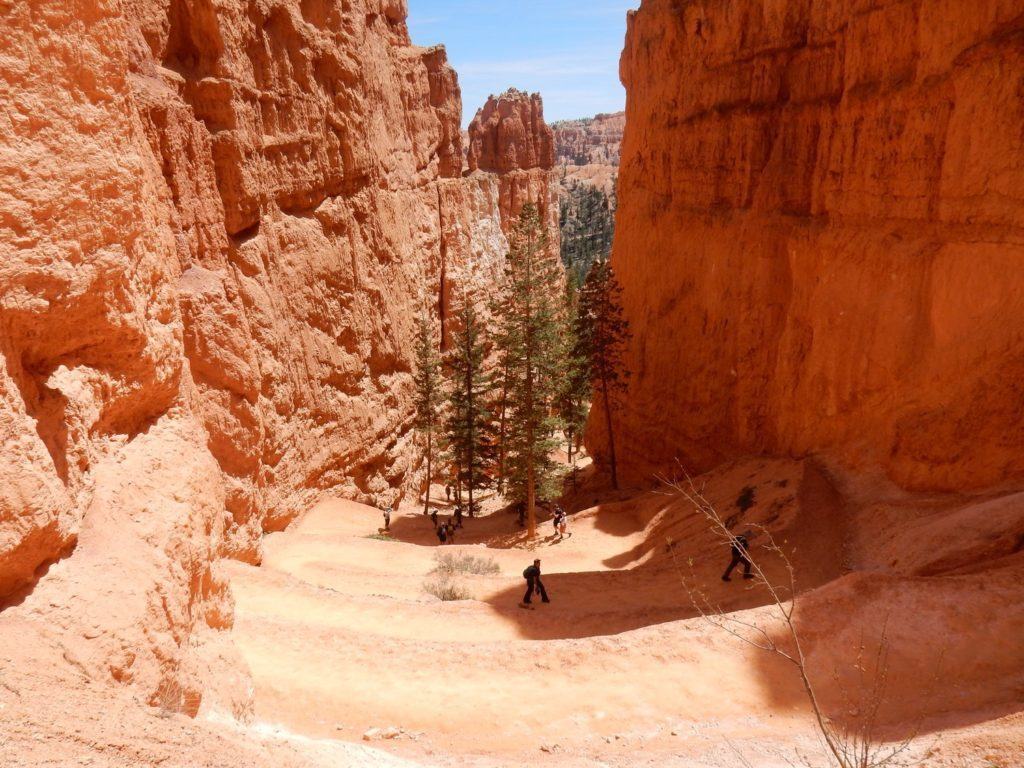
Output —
<point x="442" y="533"/>
<point x="534" y="584"/>
<point x="433" y="517"/>
<point x="740" y="554"/>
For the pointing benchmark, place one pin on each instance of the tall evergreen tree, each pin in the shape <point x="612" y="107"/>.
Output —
<point x="530" y="342"/>
<point x="602" y="332"/>
<point x="429" y="393"/>
<point x="469" y="425"/>
<point x="573" y="398"/>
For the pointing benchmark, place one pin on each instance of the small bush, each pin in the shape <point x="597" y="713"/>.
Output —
<point x="380" y="537"/>
<point x="445" y="588"/>
<point x="449" y="563"/>
<point x="746" y="498"/>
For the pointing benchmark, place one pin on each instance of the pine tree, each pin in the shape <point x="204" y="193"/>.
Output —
<point x="602" y="332"/>
<point x="531" y="339"/>
<point x="573" y="399"/>
<point x="429" y="394"/>
<point x="469" y="425"/>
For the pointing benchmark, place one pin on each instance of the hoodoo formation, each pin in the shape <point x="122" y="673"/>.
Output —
<point x="225" y="225"/>
<point x="820" y="237"/>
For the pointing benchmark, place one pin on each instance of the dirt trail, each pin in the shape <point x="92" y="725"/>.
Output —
<point x="341" y="636"/>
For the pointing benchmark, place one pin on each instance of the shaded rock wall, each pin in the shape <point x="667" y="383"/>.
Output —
<point x="820" y="236"/>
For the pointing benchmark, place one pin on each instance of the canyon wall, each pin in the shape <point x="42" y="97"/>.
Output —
<point x="820" y="237"/>
<point x="595" y="139"/>
<point x="218" y="224"/>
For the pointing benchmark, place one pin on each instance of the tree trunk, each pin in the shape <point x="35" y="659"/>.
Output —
<point x="430" y="457"/>
<point x="471" y="445"/>
<point x="611" y="436"/>
<point x="501" y="430"/>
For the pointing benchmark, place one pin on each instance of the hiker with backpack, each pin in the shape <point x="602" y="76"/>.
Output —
<point x="534" y="584"/>
<point x="442" y="534"/>
<point x="433" y="517"/>
<point x="740" y="548"/>
<point x="387" y="519"/>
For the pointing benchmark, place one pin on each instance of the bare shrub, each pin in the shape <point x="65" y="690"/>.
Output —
<point x="851" y="744"/>
<point x="449" y="563"/>
<point x="445" y="588"/>
<point x="172" y="699"/>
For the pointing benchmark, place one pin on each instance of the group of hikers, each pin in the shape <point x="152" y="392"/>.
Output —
<point x="445" y="530"/>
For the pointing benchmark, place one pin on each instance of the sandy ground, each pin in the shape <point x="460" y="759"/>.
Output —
<point x="619" y="669"/>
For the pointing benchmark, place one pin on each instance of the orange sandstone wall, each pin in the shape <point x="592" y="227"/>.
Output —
<point x="820" y="236"/>
<point x="217" y="221"/>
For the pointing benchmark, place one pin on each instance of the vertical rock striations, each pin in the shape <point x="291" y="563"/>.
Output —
<point x="218" y="223"/>
<point x="821" y="236"/>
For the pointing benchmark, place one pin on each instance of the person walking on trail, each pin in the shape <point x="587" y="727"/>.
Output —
<point x="451" y="531"/>
<point x="534" y="584"/>
<point x="448" y="492"/>
<point x="442" y="534"/>
<point x="563" y="523"/>
<point x="740" y="554"/>
<point x="458" y="515"/>
<point x="387" y="519"/>
<point x="433" y="517"/>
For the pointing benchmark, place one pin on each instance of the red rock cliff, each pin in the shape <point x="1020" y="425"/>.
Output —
<point x="509" y="133"/>
<point x="218" y="221"/>
<point x="821" y="236"/>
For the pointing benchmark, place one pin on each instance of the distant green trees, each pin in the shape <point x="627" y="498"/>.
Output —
<point x="587" y="223"/>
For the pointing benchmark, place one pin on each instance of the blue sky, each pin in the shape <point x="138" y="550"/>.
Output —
<point x="566" y="49"/>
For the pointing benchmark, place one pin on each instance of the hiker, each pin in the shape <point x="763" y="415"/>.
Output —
<point x="442" y="534"/>
<point x="387" y="519"/>
<point x="534" y="584"/>
<point x="563" y="523"/>
<point x="458" y="515"/>
<point x="433" y="517"/>
<point x="448" y="492"/>
<point x="740" y="551"/>
<point x="556" y="518"/>
<point x="451" y="531"/>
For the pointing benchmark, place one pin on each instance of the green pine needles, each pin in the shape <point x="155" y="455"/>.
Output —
<point x="532" y="337"/>
<point x="503" y="397"/>
<point x="601" y="334"/>
<point x="469" y="432"/>
<point x="429" y="393"/>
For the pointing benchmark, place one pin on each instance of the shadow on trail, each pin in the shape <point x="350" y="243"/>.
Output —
<point x="679" y="563"/>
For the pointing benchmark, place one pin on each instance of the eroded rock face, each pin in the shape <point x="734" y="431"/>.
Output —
<point x="217" y="224"/>
<point x="820" y="235"/>
<point x="509" y="133"/>
<point x="589" y="141"/>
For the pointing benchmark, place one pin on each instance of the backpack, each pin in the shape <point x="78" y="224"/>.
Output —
<point x="528" y="573"/>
